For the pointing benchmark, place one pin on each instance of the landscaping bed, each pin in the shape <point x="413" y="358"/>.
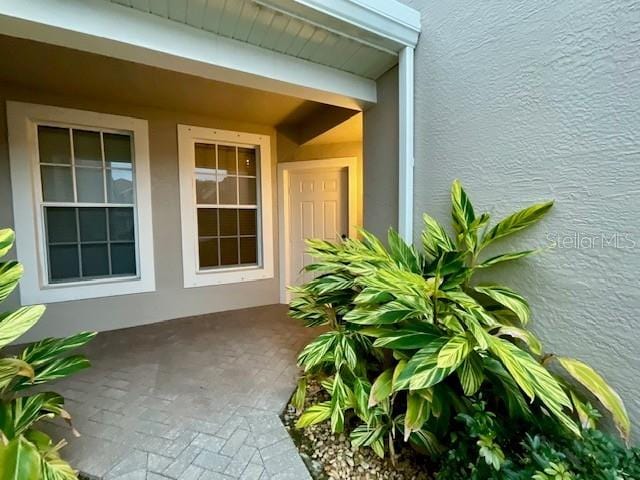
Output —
<point x="331" y="456"/>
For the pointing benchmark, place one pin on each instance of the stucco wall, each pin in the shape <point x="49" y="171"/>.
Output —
<point x="170" y="300"/>
<point x="525" y="101"/>
<point x="380" y="164"/>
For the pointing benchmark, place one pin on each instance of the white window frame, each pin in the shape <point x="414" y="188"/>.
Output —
<point x="193" y="276"/>
<point x="22" y="120"/>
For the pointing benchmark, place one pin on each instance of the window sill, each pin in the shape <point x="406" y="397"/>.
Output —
<point x="207" y="278"/>
<point x="64" y="292"/>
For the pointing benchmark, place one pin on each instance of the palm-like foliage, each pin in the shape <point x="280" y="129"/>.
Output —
<point x="413" y="338"/>
<point x="25" y="452"/>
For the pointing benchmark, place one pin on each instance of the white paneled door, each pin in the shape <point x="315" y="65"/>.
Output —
<point x="318" y="204"/>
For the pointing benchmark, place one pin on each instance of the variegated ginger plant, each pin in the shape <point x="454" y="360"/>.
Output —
<point x="413" y="339"/>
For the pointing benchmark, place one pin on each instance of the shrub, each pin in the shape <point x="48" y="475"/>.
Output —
<point x="27" y="453"/>
<point x="413" y="341"/>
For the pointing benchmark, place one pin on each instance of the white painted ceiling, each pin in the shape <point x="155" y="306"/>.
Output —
<point x="254" y="22"/>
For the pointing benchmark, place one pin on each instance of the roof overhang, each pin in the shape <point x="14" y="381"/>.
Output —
<point x="378" y="28"/>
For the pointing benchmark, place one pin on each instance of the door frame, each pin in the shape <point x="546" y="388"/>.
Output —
<point x="285" y="170"/>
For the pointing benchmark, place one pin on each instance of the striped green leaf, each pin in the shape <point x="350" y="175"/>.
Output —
<point x="20" y="460"/>
<point x="527" y="337"/>
<point x="516" y="222"/>
<point x="402" y="253"/>
<point x="14" y="324"/>
<point x="11" y="368"/>
<point x="56" y="369"/>
<point x="508" y="298"/>
<point x="461" y="208"/>
<point x="314" y="414"/>
<point x="422" y="369"/>
<point x="591" y="380"/>
<point x="454" y="352"/>
<point x="434" y="238"/>
<point x="7" y="238"/>
<point x="426" y="443"/>
<point x="10" y="274"/>
<point x="381" y="388"/>
<point x="418" y="411"/>
<point x="470" y="374"/>
<point x="299" y="396"/>
<point x="505" y="257"/>
<point x="406" y="339"/>
<point x="45" y="350"/>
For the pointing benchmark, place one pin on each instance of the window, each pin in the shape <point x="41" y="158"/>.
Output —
<point x="78" y="188"/>
<point x="226" y="210"/>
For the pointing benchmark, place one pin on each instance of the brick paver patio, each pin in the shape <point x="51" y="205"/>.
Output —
<point x="189" y="399"/>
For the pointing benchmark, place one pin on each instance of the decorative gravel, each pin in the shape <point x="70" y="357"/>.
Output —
<point x="331" y="456"/>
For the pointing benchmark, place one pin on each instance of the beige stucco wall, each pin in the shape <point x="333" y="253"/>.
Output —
<point x="170" y="300"/>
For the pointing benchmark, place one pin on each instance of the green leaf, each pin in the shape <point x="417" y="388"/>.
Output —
<point x="366" y="435"/>
<point x="20" y="460"/>
<point x="454" y="352"/>
<point x="434" y="238"/>
<point x="55" y="468"/>
<point x="422" y="370"/>
<point x="592" y="381"/>
<point x="45" y="350"/>
<point x="462" y="210"/>
<point x="505" y="257"/>
<point x="11" y="368"/>
<point x="527" y="337"/>
<point x="508" y="298"/>
<point x="406" y="339"/>
<point x="10" y="274"/>
<point x="381" y="388"/>
<point x="56" y="369"/>
<point x="402" y="253"/>
<point x="298" y="398"/>
<point x="516" y="222"/>
<point x="418" y="411"/>
<point x="7" y="238"/>
<point x="318" y="351"/>
<point x="14" y="324"/>
<point x="470" y="374"/>
<point x="314" y="414"/>
<point x="426" y="443"/>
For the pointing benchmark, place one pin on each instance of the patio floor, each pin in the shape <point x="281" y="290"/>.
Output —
<point x="194" y="399"/>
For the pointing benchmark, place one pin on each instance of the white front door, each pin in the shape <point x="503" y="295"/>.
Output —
<point x="318" y="205"/>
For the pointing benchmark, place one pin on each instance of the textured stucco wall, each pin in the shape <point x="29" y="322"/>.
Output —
<point x="525" y="101"/>
<point x="380" y="164"/>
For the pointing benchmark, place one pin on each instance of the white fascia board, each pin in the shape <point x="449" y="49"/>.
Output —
<point x="117" y="31"/>
<point x="395" y="24"/>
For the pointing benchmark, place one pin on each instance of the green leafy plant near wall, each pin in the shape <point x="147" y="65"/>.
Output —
<point x="413" y="341"/>
<point x="27" y="453"/>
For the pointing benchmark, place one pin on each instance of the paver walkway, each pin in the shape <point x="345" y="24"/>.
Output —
<point x="188" y="399"/>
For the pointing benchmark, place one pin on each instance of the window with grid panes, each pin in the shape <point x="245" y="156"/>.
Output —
<point x="226" y="190"/>
<point x="88" y="203"/>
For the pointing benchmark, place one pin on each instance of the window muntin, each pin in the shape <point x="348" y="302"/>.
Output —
<point x="88" y="203"/>
<point x="227" y="209"/>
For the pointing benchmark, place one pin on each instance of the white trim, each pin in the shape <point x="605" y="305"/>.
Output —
<point x="389" y="23"/>
<point x="406" y="133"/>
<point x="34" y="287"/>
<point x="117" y="31"/>
<point x="284" y="172"/>
<point x="192" y="276"/>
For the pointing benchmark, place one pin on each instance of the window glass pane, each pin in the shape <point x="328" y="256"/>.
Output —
<point x="57" y="184"/>
<point x="248" y="250"/>
<point x="93" y="224"/>
<point x="247" y="222"/>
<point x="228" y="191"/>
<point x="121" y="224"/>
<point x="246" y="161"/>
<point x="228" y="221"/>
<point x="228" y="251"/>
<point x="208" y="252"/>
<point x="205" y="156"/>
<point x="123" y="258"/>
<point x="86" y="148"/>
<point x="247" y="191"/>
<point x="90" y="185"/>
<point x="61" y="224"/>
<point x="117" y="150"/>
<point x="95" y="259"/>
<point x="120" y="186"/>
<point x="207" y="222"/>
<point x="227" y="159"/>
<point x="63" y="262"/>
<point x="206" y="188"/>
<point x="53" y="145"/>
